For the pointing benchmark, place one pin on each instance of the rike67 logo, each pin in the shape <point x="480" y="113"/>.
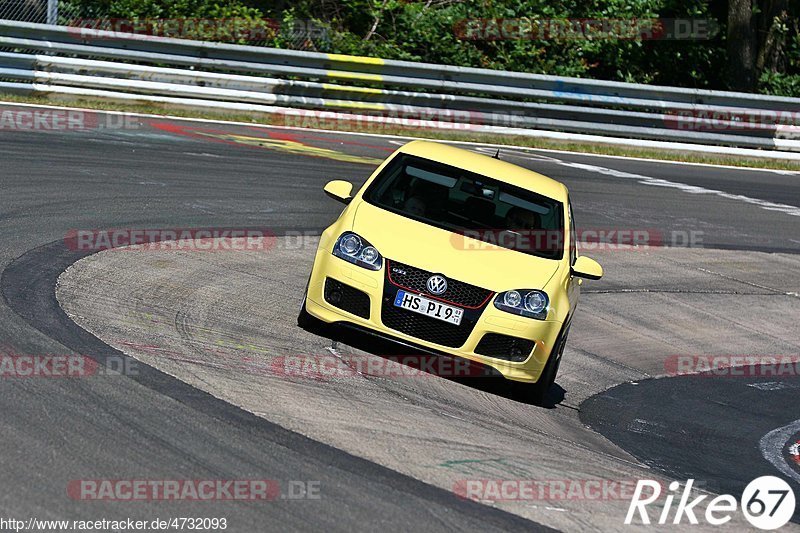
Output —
<point x="767" y="502"/>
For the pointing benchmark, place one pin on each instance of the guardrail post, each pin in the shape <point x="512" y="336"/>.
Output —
<point x="52" y="12"/>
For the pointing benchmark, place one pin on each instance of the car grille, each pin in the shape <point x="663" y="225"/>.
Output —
<point x="416" y="279"/>
<point x="469" y="297"/>
<point x="424" y="327"/>
<point x="505" y="347"/>
<point x="347" y="298"/>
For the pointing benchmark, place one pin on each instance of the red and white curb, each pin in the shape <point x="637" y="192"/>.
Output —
<point x="794" y="453"/>
<point x="772" y="445"/>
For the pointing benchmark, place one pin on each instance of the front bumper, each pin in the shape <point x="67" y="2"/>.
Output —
<point x="488" y="319"/>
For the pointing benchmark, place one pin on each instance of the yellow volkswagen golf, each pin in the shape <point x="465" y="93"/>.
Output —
<point x="446" y="251"/>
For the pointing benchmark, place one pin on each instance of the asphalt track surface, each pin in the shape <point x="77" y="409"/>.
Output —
<point x="165" y="174"/>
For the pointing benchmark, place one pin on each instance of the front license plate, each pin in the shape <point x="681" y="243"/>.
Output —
<point x="428" y="307"/>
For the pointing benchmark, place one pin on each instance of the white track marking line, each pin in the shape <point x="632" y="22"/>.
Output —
<point x="655" y="182"/>
<point x="387" y="136"/>
<point x="689" y="189"/>
<point x="646" y="180"/>
<point x="771" y="447"/>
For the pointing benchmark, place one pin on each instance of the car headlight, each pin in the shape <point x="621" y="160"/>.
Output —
<point x="531" y="303"/>
<point x="356" y="250"/>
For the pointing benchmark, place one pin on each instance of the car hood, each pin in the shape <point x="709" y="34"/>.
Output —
<point x="482" y="264"/>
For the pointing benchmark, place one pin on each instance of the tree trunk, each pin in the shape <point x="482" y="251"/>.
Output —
<point x="742" y="46"/>
<point x="771" y="40"/>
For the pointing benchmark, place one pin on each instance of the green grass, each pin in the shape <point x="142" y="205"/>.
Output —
<point x="529" y="142"/>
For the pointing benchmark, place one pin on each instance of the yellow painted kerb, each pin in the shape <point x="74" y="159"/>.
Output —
<point x="356" y="59"/>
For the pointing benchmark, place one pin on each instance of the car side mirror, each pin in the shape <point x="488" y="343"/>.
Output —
<point x="339" y="190"/>
<point x="588" y="268"/>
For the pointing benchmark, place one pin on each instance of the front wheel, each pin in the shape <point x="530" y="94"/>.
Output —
<point x="536" y="393"/>
<point x="304" y="319"/>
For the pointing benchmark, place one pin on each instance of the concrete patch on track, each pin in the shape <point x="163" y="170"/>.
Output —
<point x="221" y="321"/>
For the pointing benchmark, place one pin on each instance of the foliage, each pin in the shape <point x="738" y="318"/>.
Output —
<point x="432" y="31"/>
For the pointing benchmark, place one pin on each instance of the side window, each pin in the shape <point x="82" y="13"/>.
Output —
<point x="573" y="236"/>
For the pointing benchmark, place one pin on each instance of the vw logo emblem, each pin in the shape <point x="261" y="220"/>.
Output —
<point x="437" y="284"/>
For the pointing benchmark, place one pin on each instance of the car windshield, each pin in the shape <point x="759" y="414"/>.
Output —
<point x="470" y="204"/>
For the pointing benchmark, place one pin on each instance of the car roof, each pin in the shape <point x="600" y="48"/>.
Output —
<point x="488" y="166"/>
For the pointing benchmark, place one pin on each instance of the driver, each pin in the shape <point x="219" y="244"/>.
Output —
<point x="522" y="219"/>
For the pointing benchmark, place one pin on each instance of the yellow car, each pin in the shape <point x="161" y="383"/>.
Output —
<point x="446" y="251"/>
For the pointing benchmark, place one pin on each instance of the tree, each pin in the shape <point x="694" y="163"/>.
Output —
<point x="742" y="45"/>
<point x="757" y="40"/>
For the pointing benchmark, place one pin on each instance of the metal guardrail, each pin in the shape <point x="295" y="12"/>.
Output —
<point x="127" y="66"/>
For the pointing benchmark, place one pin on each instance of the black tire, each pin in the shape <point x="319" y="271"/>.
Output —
<point x="304" y="319"/>
<point x="312" y="324"/>
<point x="536" y="393"/>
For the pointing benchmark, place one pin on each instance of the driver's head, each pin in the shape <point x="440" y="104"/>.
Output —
<point x="522" y="219"/>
